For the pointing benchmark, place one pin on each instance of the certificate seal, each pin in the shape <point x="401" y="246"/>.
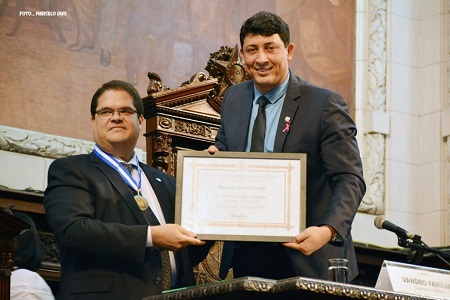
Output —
<point x="141" y="202"/>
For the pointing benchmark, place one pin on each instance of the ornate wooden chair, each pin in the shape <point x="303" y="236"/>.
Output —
<point x="187" y="118"/>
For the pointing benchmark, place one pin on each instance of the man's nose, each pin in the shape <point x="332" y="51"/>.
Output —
<point x="261" y="57"/>
<point x="116" y="115"/>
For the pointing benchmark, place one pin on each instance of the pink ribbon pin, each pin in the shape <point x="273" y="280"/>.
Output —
<point x="288" y="124"/>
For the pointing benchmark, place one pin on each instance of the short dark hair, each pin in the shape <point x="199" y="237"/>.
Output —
<point x="118" y="85"/>
<point x="27" y="246"/>
<point x="266" y="24"/>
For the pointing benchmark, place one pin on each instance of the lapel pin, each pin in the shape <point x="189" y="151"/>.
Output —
<point x="158" y="179"/>
<point x="287" y="119"/>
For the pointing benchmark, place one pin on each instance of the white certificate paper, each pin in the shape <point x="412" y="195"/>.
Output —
<point x="244" y="196"/>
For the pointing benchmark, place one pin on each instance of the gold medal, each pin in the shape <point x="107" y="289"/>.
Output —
<point x="141" y="202"/>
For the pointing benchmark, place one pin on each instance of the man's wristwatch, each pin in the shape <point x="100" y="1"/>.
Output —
<point x="334" y="234"/>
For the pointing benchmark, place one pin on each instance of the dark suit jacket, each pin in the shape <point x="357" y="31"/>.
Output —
<point x="322" y="128"/>
<point x="102" y="233"/>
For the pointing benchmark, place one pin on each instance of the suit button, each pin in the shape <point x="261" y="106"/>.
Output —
<point x="158" y="280"/>
<point x="156" y="251"/>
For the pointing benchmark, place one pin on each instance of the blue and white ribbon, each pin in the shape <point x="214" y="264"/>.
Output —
<point x="115" y="164"/>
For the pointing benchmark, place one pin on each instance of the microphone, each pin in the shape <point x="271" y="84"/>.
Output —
<point x="382" y="223"/>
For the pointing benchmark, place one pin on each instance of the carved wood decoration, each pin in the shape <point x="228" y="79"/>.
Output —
<point x="179" y="118"/>
<point x="188" y="117"/>
<point x="226" y="66"/>
<point x="31" y="203"/>
<point x="10" y="227"/>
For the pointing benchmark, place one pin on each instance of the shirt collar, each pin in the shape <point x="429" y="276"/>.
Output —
<point x="276" y="94"/>
<point x="132" y="161"/>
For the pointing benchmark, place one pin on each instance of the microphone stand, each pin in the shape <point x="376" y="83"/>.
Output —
<point x="418" y="248"/>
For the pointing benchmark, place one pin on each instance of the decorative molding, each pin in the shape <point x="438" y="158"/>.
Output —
<point x="208" y="270"/>
<point x="45" y="145"/>
<point x="447" y="24"/>
<point x="377" y="54"/>
<point x="447" y="120"/>
<point x="295" y="287"/>
<point x="161" y="148"/>
<point x="374" y="165"/>
<point x="374" y="174"/>
<point x="50" y="252"/>
<point x="39" y="144"/>
<point x="376" y="122"/>
<point x="447" y="166"/>
<point x="188" y="128"/>
<point x="445" y="125"/>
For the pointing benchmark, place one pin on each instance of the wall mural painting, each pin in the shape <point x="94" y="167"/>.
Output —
<point x="54" y="54"/>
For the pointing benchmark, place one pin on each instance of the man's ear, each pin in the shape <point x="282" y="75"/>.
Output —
<point x="290" y="49"/>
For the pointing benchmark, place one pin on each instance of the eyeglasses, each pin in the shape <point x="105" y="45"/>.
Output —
<point x="107" y="113"/>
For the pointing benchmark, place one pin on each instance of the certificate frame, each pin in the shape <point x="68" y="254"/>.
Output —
<point x="241" y="196"/>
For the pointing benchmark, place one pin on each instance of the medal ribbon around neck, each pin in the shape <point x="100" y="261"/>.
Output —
<point x="115" y="164"/>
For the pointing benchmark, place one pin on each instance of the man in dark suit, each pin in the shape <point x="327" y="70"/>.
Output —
<point x="300" y="118"/>
<point x="103" y="216"/>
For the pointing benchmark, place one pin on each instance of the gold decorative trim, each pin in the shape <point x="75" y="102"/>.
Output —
<point x="281" y="289"/>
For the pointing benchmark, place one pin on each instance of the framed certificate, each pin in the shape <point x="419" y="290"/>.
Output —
<point x="241" y="196"/>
